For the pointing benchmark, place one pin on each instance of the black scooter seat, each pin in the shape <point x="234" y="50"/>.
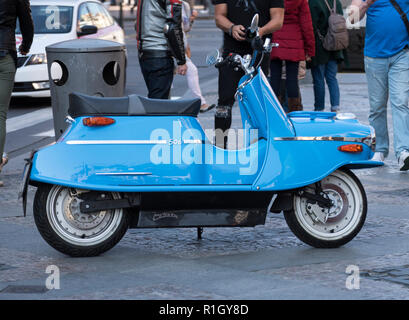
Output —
<point x="83" y="105"/>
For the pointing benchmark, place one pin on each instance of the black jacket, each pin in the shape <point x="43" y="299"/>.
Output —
<point x="10" y="10"/>
<point x="159" y="28"/>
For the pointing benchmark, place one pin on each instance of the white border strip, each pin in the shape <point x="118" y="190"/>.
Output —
<point x="124" y="173"/>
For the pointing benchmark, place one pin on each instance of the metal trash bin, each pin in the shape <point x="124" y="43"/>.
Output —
<point x="89" y="66"/>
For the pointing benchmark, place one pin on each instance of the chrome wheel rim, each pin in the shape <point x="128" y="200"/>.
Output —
<point x="77" y="228"/>
<point x="342" y="218"/>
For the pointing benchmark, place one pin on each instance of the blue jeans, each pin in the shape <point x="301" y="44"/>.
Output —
<point x="389" y="78"/>
<point x="158" y="76"/>
<point x="320" y="74"/>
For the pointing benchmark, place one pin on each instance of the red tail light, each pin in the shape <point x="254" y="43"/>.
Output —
<point x="351" y="148"/>
<point x="97" y="121"/>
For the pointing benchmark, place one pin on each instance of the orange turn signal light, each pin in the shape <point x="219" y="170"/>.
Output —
<point x="97" y="121"/>
<point x="351" y="148"/>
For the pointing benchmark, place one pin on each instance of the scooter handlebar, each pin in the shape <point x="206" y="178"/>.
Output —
<point x="218" y="65"/>
<point x="230" y="59"/>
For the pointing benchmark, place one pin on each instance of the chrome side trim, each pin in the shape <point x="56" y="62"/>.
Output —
<point x="366" y="140"/>
<point x="129" y="142"/>
<point x="196" y="141"/>
<point x="123" y="173"/>
<point x="89" y="142"/>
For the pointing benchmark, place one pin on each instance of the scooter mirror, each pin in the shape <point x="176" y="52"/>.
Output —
<point x="213" y="57"/>
<point x="254" y="23"/>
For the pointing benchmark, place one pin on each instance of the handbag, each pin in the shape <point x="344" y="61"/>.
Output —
<point x="337" y="37"/>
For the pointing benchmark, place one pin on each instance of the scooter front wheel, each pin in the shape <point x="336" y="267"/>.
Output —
<point x="323" y="227"/>
<point x="63" y="226"/>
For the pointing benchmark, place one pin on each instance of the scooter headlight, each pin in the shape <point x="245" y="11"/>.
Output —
<point x="37" y="59"/>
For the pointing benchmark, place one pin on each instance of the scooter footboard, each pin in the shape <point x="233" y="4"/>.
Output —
<point x="200" y="218"/>
<point x="202" y="209"/>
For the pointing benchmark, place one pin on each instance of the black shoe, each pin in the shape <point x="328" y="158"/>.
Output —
<point x="223" y="112"/>
<point x="205" y="107"/>
<point x="222" y="121"/>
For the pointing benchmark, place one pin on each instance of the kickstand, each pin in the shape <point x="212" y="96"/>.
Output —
<point x="199" y="233"/>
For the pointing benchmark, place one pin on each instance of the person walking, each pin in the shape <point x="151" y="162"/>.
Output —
<point x="10" y="10"/>
<point x="324" y="65"/>
<point x="387" y="70"/>
<point x="233" y="17"/>
<point x="296" y="43"/>
<point x="192" y="75"/>
<point x="159" y="37"/>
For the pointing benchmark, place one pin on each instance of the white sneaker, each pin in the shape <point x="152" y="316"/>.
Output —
<point x="4" y="160"/>
<point x="404" y="161"/>
<point x="378" y="156"/>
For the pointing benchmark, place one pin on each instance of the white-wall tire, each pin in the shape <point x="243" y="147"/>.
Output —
<point x="66" y="229"/>
<point x="344" y="220"/>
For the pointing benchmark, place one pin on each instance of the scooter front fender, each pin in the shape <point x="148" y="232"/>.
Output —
<point x="295" y="164"/>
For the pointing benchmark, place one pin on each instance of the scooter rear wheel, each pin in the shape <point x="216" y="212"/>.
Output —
<point x="63" y="226"/>
<point x="330" y="228"/>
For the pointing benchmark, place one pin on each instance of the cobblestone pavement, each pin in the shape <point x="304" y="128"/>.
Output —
<point x="265" y="262"/>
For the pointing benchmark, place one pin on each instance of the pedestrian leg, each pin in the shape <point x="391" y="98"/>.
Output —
<point x="7" y="73"/>
<point x="319" y="87"/>
<point x="228" y="83"/>
<point x="377" y="78"/>
<point x="192" y="77"/>
<point x="276" y="68"/>
<point x="331" y="70"/>
<point x="158" y="75"/>
<point x="399" y="96"/>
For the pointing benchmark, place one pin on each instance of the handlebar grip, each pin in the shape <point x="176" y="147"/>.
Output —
<point x="222" y="63"/>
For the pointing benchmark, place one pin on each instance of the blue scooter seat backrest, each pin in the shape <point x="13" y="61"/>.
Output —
<point x="83" y="105"/>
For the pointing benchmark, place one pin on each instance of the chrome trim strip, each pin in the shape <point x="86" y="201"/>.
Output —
<point x="367" y="140"/>
<point x="196" y="141"/>
<point x="90" y="142"/>
<point x="128" y="142"/>
<point x="124" y="173"/>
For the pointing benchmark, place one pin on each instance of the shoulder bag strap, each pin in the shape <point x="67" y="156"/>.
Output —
<point x="254" y="7"/>
<point x="401" y="13"/>
<point x="329" y="8"/>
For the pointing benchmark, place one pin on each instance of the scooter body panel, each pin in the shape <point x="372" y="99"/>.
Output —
<point x="137" y="154"/>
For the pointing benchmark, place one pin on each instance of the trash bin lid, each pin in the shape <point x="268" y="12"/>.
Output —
<point x="86" y="45"/>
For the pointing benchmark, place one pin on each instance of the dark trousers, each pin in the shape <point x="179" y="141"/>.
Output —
<point x="291" y="83"/>
<point x="228" y="82"/>
<point x="158" y="75"/>
<point x="7" y="72"/>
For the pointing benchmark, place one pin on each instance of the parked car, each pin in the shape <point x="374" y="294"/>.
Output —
<point x="56" y="21"/>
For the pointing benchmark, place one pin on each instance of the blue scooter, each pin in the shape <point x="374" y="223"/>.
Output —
<point x="134" y="162"/>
